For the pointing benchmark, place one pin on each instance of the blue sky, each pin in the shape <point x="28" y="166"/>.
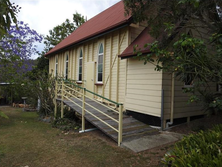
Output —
<point x="43" y="15"/>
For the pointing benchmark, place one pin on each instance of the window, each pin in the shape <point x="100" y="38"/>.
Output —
<point x="189" y="76"/>
<point x="66" y="66"/>
<point x="219" y="87"/>
<point x="56" y="66"/>
<point x="100" y="64"/>
<point x="80" y="66"/>
<point x="188" y="81"/>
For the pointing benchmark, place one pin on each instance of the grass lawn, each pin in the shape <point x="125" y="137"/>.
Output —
<point x="25" y="141"/>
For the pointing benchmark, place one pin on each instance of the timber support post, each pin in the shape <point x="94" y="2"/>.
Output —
<point x="120" y="134"/>
<point x="83" y="109"/>
<point x="62" y="104"/>
<point x="55" y="109"/>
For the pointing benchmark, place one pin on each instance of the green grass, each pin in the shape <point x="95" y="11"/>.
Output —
<point x="26" y="141"/>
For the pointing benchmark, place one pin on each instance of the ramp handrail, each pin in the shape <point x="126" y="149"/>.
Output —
<point x="68" y="90"/>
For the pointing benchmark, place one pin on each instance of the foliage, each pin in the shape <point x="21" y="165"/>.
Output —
<point x="41" y="66"/>
<point x="202" y="149"/>
<point x="69" y="122"/>
<point x="171" y="16"/>
<point x="41" y="87"/>
<point x="16" y="48"/>
<point x="196" y="61"/>
<point x="60" y="32"/>
<point x="65" y="124"/>
<point x="7" y="15"/>
<point x="34" y="86"/>
<point x="3" y="115"/>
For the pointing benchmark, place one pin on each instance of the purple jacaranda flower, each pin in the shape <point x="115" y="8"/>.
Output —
<point x="17" y="47"/>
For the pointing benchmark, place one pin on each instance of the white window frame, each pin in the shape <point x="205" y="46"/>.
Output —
<point x="56" y="65"/>
<point x="66" y="70"/>
<point x="80" y="58"/>
<point x="97" y="71"/>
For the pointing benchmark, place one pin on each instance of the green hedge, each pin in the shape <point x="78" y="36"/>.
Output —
<point x="203" y="149"/>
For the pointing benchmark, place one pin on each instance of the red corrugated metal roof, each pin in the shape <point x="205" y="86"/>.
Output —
<point x="141" y="40"/>
<point x="104" y="21"/>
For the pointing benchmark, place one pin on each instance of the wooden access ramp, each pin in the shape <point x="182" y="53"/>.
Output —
<point x="112" y="122"/>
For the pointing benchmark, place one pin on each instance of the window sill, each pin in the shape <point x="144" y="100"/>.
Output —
<point x="187" y="86"/>
<point x="79" y="82"/>
<point x="99" y="84"/>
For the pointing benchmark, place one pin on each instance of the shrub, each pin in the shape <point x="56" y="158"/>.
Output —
<point x="69" y="122"/>
<point x="65" y="124"/>
<point x="201" y="149"/>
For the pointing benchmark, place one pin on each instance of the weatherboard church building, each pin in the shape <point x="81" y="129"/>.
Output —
<point x="99" y="56"/>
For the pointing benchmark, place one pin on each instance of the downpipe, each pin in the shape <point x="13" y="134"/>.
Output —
<point x="162" y="107"/>
<point x="172" y="102"/>
<point x="87" y="130"/>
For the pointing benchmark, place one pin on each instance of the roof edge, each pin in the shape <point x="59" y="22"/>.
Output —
<point x="129" y="55"/>
<point x="117" y="26"/>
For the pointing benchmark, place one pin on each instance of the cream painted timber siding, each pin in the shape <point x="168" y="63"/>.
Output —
<point x="136" y="29"/>
<point x="52" y="65"/>
<point x="143" y="92"/>
<point x="181" y="106"/>
<point x="114" y="72"/>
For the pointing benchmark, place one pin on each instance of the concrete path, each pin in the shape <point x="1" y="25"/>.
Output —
<point x="151" y="141"/>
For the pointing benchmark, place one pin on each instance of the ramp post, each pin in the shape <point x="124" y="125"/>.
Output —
<point x="83" y="109"/>
<point x="62" y="104"/>
<point x="55" y="109"/>
<point x="120" y="134"/>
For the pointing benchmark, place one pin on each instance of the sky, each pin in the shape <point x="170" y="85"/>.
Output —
<point x="43" y="15"/>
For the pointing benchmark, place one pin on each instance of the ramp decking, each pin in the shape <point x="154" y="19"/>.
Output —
<point x="132" y="128"/>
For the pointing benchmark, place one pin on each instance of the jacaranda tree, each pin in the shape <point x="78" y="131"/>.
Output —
<point x="16" y="48"/>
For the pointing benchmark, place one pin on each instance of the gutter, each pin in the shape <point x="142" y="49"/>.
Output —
<point x="172" y="101"/>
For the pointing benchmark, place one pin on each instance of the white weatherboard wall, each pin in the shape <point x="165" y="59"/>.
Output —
<point x="143" y="91"/>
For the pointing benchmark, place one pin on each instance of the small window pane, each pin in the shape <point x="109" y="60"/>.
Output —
<point x="100" y="68"/>
<point x="67" y="57"/>
<point x="189" y="80"/>
<point x="56" y="69"/>
<point x="100" y="57"/>
<point x="101" y="49"/>
<point x="80" y="77"/>
<point x="100" y="77"/>
<point x="80" y="62"/>
<point x="80" y="53"/>
<point x="80" y="69"/>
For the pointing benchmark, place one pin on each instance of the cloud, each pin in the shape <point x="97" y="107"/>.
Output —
<point x="43" y="15"/>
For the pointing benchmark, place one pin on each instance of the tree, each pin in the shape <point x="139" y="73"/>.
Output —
<point x="175" y="51"/>
<point x="7" y="15"/>
<point x="60" y="32"/>
<point x="16" y="48"/>
<point x="39" y="84"/>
